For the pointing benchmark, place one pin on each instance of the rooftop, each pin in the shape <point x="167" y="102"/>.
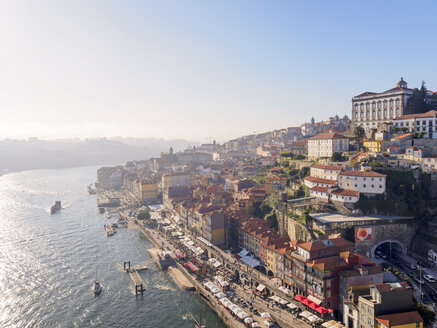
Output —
<point x="333" y="217"/>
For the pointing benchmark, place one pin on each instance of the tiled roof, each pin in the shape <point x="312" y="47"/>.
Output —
<point x="340" y="192"/>
<point x="363" y="174"/>
<point x="398" y="319"/>
<point x="406" y="135"/>
<point x="327" y="167"/>
<point x="346" y="192"/>
<point x="328" y="136"/>
<point x="300" y="142"/>
<point x="430" y="113"/>
<point x="320" y="180"/>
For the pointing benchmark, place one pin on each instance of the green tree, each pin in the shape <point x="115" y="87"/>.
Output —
<point x="337" y="157"/>
<point x="286" y="153"/>
<point x="304" y="172"/>
<point x="143" y="215"/>
<point x="419" y="102"/>
<point x="359" y="134"/>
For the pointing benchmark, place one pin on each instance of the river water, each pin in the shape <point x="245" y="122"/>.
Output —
<point x="48" y="262"/>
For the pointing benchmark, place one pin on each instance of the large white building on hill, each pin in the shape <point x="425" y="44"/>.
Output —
<point x="325" y="144"/>
<point x="369" y="109"/>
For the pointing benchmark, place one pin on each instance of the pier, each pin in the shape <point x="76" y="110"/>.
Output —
<point x="135" y="277"/>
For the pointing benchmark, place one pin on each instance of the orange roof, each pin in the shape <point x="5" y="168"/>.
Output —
<point x="346" y="192"/>
<point x="402" y="136"/>
<point x="327" y="167"/>
<point x="431" y="113"/>
<point x="398" y="319"/>
<point x="328" y="136"/>
<point x="363" y="174"/>
<point x="320" y="180"/>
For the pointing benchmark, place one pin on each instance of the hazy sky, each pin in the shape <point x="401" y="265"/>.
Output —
<point x="201" y="69"/>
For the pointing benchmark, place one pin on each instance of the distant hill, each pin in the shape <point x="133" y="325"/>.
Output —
<point x="33" y="153"/>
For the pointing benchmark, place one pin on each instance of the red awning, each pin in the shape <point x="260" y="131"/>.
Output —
<point x="299" y="298"/>
<point x="179" y="254"/>
<point x="191" y="266"/>
<point x="311" y="304"/>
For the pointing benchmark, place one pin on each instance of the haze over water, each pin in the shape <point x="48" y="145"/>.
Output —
<point x="47" y="262"/>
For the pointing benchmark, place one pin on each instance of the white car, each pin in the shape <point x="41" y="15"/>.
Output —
<point x="429" y="278"/>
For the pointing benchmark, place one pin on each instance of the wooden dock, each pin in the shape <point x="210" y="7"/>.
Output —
<point x="135" y="277"/>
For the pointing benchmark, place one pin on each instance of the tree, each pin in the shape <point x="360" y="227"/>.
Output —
<point x="359" y="134"/>
<point x="286" y="153"/>
<point x="143" y="216"/>
<point x="419" y="102"/>
<point x="304" y="172"/>
<point x="337" y="157"/>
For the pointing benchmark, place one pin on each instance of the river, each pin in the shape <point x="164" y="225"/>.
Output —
<point x="49" y="262"/>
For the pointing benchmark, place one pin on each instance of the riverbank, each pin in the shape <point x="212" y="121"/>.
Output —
<point x="181" y="277"/>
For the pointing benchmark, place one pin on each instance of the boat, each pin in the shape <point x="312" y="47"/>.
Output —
<point x="97" y="286"/>
<point x="56" y="207"/>
<point x="198" y="325"/>
<point x="91" y="190"/>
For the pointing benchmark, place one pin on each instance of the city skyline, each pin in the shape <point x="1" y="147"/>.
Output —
<point x="200" y="71"/>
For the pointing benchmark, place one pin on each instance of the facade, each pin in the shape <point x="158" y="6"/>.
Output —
<point x="315" y="266"/>
<point x="370" y="109"/>
<point x="400" y="320"/>
<point x="300" y="147"/>
<point x="325" y="144"/>
<point x="425" y="123"/>
<point x="174" y="180"/>
<point x="365" y="182"/>
<point x="385" y="298"/>
<point x="329" y="172"/>
<point x="375" y="146"/>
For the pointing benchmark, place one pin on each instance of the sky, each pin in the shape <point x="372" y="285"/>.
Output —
<point x="201" y="70"/>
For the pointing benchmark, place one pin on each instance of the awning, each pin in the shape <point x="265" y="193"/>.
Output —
<point x="313" y="318"/>
<point x="311" y="304"/>
<point x="314" y="299"/>
<point x="260" y="287"/>
<point x="191" y="266"/>
<point x="292" y="306"/>
<point x="305" y="314"/>
<point x="244" y="252"/>
<point x="179" y="254"/>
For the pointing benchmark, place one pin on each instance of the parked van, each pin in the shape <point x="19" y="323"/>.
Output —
<point x="429" y="278"/>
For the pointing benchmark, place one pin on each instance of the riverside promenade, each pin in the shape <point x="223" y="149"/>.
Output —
<point x="281" y="316"/>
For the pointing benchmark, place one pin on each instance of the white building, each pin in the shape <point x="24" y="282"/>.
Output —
<point x="364" y="182"/>
<point x="325" y="144"/>
<point x="329" y="172"/>
<point x="369" y="109"/>
<point x="424" y="122"/>
<point x="335" y="194"/>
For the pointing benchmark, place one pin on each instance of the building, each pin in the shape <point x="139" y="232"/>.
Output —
<point x="370" y="109"/>
<point x="357" y="279"/>
<point x="315" y="266"/>
<point x="365" y="182"/>
<point x="375" y="146"/>
<point x="425" y="123"/>
<point x="300" y="147"/>
<point x="400" y="320"/>
<point x="329" y="172"/>
<point x="385" y="298"/>
<point x="325" y="144"/>
<point x="174" y="180"/>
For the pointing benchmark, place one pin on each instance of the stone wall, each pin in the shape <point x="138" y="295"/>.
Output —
<point x="297" y="231"/>
<point x="431" y="144"/>
<point x="403" y="233"/>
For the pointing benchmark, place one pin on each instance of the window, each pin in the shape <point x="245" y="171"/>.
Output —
<point x="380" y="186"/>
<point x="364" y="186"/>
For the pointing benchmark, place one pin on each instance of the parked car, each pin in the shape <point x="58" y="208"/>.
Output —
<point x="429" y="278"/>
<point x="413" y="266"/>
